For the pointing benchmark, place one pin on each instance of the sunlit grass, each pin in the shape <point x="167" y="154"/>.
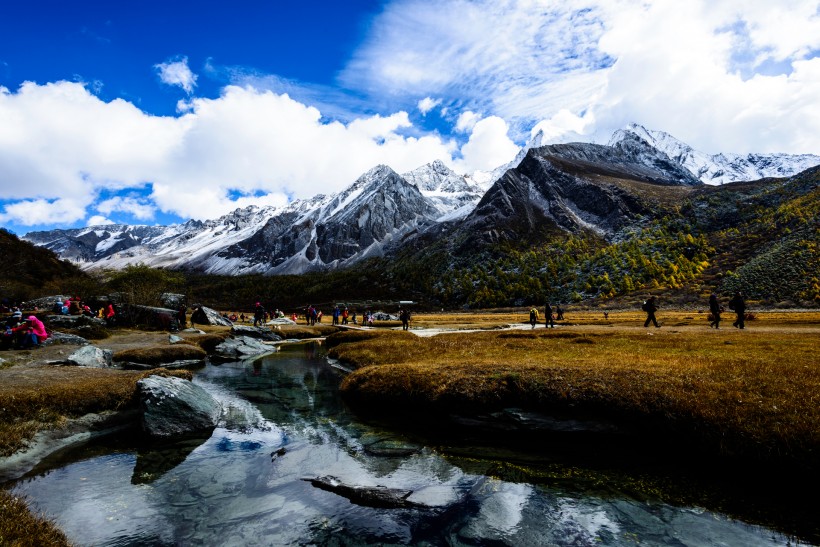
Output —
<point x="743" y="392"/>
<point x="20" y="528"/>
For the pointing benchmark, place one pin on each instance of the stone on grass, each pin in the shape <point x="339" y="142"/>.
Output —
<point x="90" y="356"/>
<point x="207" y="316"/>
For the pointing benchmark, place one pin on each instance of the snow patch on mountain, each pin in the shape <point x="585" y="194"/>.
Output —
<point x="719" y="168"/>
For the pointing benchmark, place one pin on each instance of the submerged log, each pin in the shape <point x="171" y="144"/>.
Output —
<point x="369" y="496"/>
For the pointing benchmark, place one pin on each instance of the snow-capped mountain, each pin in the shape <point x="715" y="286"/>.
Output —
<point x="324" y="232"/>
<point x="568" y="187"/>
<point x="720" y="168"/>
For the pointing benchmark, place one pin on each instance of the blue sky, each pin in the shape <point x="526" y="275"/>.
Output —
<point x="157" y="112"/>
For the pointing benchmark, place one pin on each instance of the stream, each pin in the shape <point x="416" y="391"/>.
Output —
<point x="249" y="482"/>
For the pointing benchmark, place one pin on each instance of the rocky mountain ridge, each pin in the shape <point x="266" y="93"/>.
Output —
<point x="576" y="187"/>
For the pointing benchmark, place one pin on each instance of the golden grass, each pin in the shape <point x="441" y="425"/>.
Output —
<point x="752" y="392"/>
<point x="19" y="528"/>
<point x="46" y="397"/>
<point x="155" y="355"/>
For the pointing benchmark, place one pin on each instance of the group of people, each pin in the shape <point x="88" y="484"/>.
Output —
<point x="20" y="333"/>
<point x="737" y="304"/>
<point x="76" y="306"/>
<point x="550" y="315"/>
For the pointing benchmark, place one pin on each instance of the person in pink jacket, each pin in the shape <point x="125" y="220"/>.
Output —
<point x="36" y="333"/>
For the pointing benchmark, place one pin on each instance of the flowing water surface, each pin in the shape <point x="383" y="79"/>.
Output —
<point x="245" y="485"/>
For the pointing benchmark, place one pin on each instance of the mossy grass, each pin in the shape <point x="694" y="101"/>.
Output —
<point x="20" y="528"/>
<point x="155" y="355"/>
<point x="750" y="394"/>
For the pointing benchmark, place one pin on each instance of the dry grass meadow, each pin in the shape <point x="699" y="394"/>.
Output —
<point x="752" y="393"/>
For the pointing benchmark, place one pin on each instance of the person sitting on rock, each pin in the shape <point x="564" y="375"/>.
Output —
<point x="32" y="333"/>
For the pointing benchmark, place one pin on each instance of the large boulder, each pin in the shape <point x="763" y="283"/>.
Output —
<point x="206" y="316"/>
<point x="237" y="348"/>
<point x="151" y="317"/>
<point x="90" y="356"/>
<point x="72" y="321"/>
<point x="260" y="333"/>
<point x="173" y="407"/>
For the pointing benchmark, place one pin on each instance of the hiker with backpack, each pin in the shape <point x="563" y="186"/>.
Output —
<point x="549" y="321"/>
<point x="533" y="316"/>
<point x="738" y="305"/>
<point x="650" y="307"/>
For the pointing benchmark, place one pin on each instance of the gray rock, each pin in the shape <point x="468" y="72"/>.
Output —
<point x="208" y="316"/>
<point x="72" y="321"/>
<point x="260" y="333"/>
<point x="149" y="316"/>
<point x="173" y="406"/>
<point x="241" y="347"/>
<point x="193" y="331"/>
<point x="172" y="300"/>
<point x="62" y="338"/>
<point x="174" y="339"/>
<point x="91" y="356"/>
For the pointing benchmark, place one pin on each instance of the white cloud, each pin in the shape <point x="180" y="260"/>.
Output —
<point x="99" y="220"/>
<point x="724" y="75"/>
<point x="427" y="104"/>
<point x="43" y="211"/>
<point x="466" y="121"/>
<point x="141" y="209"/>
<point x="176" y="72"/>
<point x="488" y="147"/>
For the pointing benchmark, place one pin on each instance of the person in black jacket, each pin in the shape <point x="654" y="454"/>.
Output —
<point x="650" y="307"/>
<point x="549" y="323"/>
<point x="738" y="304"/>
<point x="714" y="309"/>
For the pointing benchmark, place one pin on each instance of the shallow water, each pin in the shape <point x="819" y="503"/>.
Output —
<point x="285" y="423"/>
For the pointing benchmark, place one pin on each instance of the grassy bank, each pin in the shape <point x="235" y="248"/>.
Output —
<point x="20" y="528"/>
<point x="751" y="394"/>
<point x="34" y="399"/>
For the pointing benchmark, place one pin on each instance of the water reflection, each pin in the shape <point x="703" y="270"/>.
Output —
<point x="285" y="422"/>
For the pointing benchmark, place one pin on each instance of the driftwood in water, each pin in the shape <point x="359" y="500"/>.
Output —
<point x="369" y="496"/>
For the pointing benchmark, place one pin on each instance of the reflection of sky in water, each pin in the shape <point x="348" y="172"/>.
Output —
<point x="239" y="488"/>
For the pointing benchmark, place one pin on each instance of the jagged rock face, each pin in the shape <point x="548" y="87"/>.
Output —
<point x="354" y="224"/>
<point x="571" y="187"/>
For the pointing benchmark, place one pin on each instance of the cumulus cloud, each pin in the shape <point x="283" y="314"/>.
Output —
<point x="139" y="208"/>
<point x="99" y="220"/>
<point x="176" y="72"/>
<point x="488" y="147"/>
<point x="62" y="146"/>
<point x="427" y="104"/>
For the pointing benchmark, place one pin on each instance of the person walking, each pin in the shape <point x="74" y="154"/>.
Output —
<point x="258" y="314"/>
<point x="533" y="316"/>
<point x="714" y="309"/>
<point x="650" y="307"/>
<point x="738" y="305"/>
<point x="549" y="323"/>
